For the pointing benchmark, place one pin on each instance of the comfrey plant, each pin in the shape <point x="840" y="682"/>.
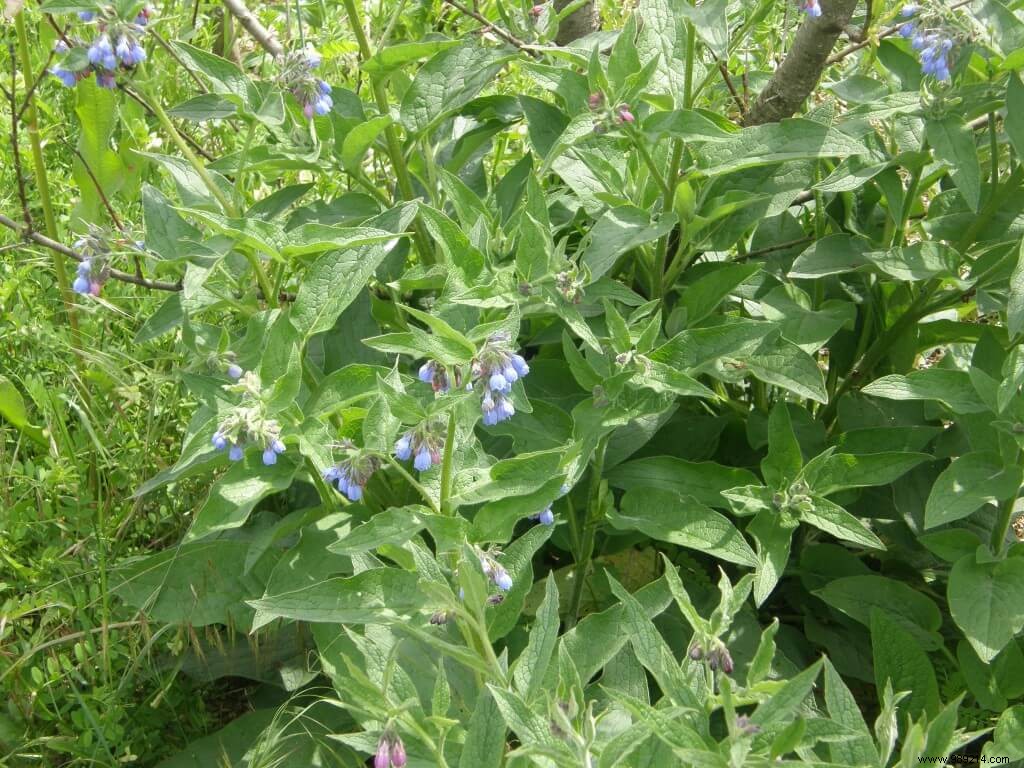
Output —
<point x="93" y="271"/>
<point x="649" y="405"/>
<point x="107" y="40"/>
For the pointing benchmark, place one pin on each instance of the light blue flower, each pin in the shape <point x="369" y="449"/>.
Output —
<point x="422" y="461"/>
<point x="403" y="447"/>
<point x="235" y="453"/>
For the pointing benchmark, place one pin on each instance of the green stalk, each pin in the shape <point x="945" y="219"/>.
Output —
<point x="1002" y="527"/>
<point x="586" y="552"/>
<point x="42" y="184"/>
<point x="446" y="466"/>
<point x="412" y="481"/>
<point x="380" y="96"/>
<point x="229" y="208"/>
<point x="649" y="161"/>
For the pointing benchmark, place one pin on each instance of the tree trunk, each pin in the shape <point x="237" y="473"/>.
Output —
<point x="798" y="75"/>
<point x="578" y="24"/>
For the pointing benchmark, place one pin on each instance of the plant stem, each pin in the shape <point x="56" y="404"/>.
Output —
<point x="641" y="147"/>
<point x="446" y="466"/>
<point x="1002" y="527"/>
<point x="42" y="184"/>
<point x="586" y="552"/>
<point x="413" y="482"/>
<point x="380" y="96"/>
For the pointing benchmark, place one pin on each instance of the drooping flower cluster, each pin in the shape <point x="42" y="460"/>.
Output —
<point x="811" y="7"/>
<point x="569" y="282"/>
<point x="116" y="45"/>
<point x="248" y="424"/>
<point x="933" y="45"/>
<point x="496" y="367"/>
<point x="92" y="271"/>
<point x="353" y="472"/>
<point x="390" y="751"/>
<point x="423" y="444"/>
<point x="718" y="657"/>
<point x="296" y="75"/>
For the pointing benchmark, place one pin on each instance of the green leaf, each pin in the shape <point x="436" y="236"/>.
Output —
<point x="703" y="295"/>
<point x="448" y="81"/>
<point x="395" y="525"/>
<point x="858" y="596"/>
<point x="709" y="21"/>
<point x="969" y="482"/>
<point x="1015" y="299"/>
<point x="901" y="661"/>
<point x="834" y="472"/>
<point x="986" y="600"/>
<point x="224" y="75"/>
<point x="619" y="230"/>
<point x="485" y="737"/>
<point x="953" y="143"/>
<point x="774" y="536"/>
<point x="12" y="409"/>
<point x="920" y="261"/>
<point x="98" y="164"/>
<point x="331" y="284"/>
<point x="952" y="388"/>
<point x="831" y="518"/>
<point x="532" y="664"/>
<point x="843" y="708"/>
<point x="453" y="241"/>
<point x="1014" y="123"/>
<point x="395" y="56"/>
<point x="518" y="561"/>
<point x="784" y="460"/>
<point x="682" y="520"/>
<point x="788" y="699"/>
<point x="704" y="481"/>
<point x="372" y="596"/>
<point x="530" y="727"/>
<point x="794" y="139"/>
<point x="831" y="255"/>
<point x="359" y="140"/>
<point x="237" y="491"/>
<point x="782" y="363"/>
<point x="205" y="106"/>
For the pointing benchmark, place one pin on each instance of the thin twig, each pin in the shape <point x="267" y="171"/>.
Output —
<point x="868" y="40"/>
<point x="15" y="149"/>
<point x="116" y="274"/>
<point x="99" y="188"/>
<point x="729" y="84"/>
<point x="506" y="36"/>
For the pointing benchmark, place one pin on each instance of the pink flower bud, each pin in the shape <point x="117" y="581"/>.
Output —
<point x="625" y="115"/>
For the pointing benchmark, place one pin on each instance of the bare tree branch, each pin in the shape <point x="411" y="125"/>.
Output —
<point x="798" y="75"/>
<point x="260" y="34"/>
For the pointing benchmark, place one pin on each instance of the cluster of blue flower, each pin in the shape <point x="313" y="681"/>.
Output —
<point x="117" y="44"/>
<point x="421" y="444"/>
<point x="351" y="474"/>
<point x="85" y="282"/>
<point x="247" y="424"/>
<point x="312" y="93"/>
<point x="496" y="572"/>
<point x="498" y="368"/>
<point x="934" y="47"/>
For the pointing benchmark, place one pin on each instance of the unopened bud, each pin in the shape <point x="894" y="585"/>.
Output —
<point x="536" y="11"/>
<point x="696" y="652"/>
<point x="625" y="116"/>
<point x="595" y="100"/>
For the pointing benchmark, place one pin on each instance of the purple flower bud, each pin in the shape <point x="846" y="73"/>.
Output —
<point x="382" y="759"/>
<point x="501" y="579"/>
<point x="626" y="116"/>
<point x="398" y="758"/>
<point x="313" y="58"/>
<point x="235" y="453"/>
<point x="426" y="372"/>
<point x="908" y="10"/>
<point x="907" y="30"/>
<point x="403" y="447"/>
<point x="307" y="110"/>
<point x="595" y="100"/>
<point x="354" y="492"/>
<point x="87" y="15"/>
<point x="547" y="516"/>
<point x="422" y="461"/>
<point x="84" y="267"/>
<point x="727" y="666"/>
<point x="918" y="42"/>
<point x="696" y="652"/>
<point x="235" y="371"/>
<point x="278" y="446"/>
<point x="323" y="87"/>
<point x="61" y="47"/>
<point x="138" y="55"/>
<point x="498" y="383"/>
<point x="510" y="373"/>
<point x="81" y="285"/>
<point x="106" y="80"/>
<point x="219" y="441"/>
<point x="331" y="474"/>
<point x="504" y="409"/>
<point x="322" y="106"/>
<point x="269" y="457"/>
<point x="343" y="481"/>
<point x="95" y="287"/>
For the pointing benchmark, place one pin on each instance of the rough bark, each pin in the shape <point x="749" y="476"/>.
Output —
<point x="798" y="75"/>
<point x="579" y="24"/>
